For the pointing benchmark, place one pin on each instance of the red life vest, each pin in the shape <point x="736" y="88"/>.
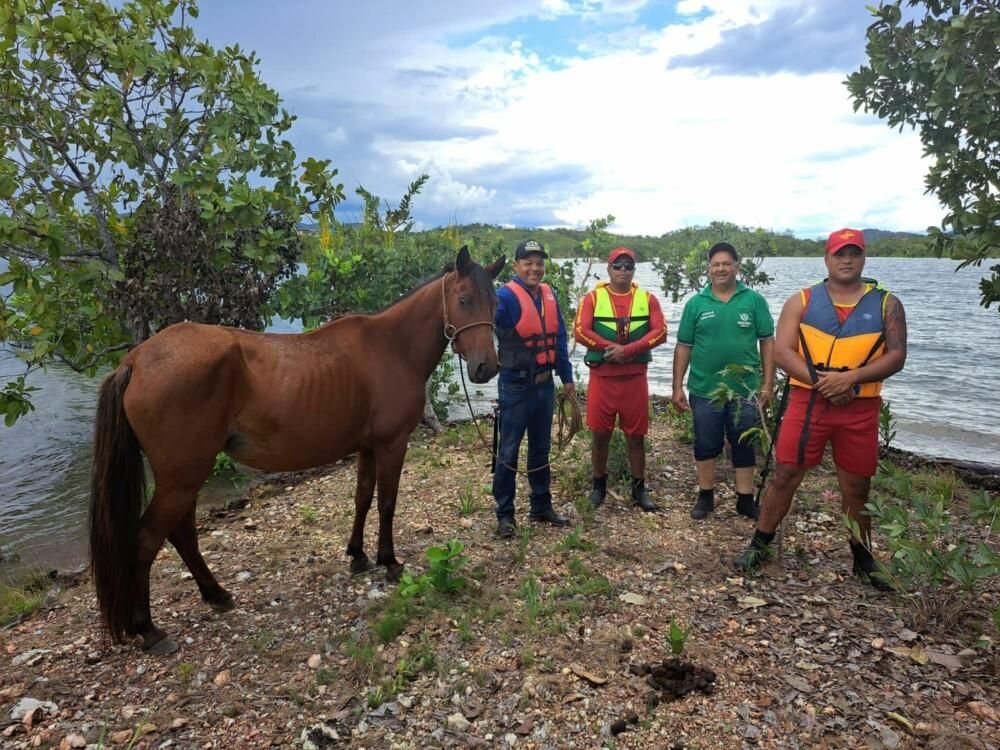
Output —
<point x="538" y="333"/>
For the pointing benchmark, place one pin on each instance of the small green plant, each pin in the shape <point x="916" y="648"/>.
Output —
<point x="389" y="626"/>
<point x="582" y="581"/>
<point x="940" y="571"/>
<point x="326" y="676"/>
<point x="531" y="592"/>
<point x="573" y="541"/>
<point x="676" y="637"/>
<point x="442" y="574"/>
<point x="308" y="513"/>
<point x="263" y="641"/>
<point x="682" y="426"/>
<point x="17" y="602"/>
<point x="362" y="652"/>
<point x="225" y="467"/>
<point x="185" y="671"/>
<point x="467" y="500"/>
<point x="524" y="536"/>
<point x="886" y="427"/>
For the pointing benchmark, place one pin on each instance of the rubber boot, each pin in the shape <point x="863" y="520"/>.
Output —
<point x="868" y="569"/>
<point x="640" y="497"/>
<point x="746" y="506"/>
<point x="600" y="491"/>
<point x="704" y="505"/>
<point x="756" y="552"/>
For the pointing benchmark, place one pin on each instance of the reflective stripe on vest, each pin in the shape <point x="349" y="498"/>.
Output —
<point x="537" y="333"/>
<point x="607" y="325"/>
<point x="827" y="344"/>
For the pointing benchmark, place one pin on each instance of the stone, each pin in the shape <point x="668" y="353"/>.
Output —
<point x="27" y="705"/>
<point x="458" y="723"/>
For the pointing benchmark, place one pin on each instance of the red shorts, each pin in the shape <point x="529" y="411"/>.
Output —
<point x="853" y="430"/>
<point x="625" y="397"/>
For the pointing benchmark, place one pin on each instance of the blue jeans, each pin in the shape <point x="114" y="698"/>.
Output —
<point x="524" y="407"/>
<point x="714" y="424"/>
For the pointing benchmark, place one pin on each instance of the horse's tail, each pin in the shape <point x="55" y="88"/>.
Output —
<point x="117" y="493"/>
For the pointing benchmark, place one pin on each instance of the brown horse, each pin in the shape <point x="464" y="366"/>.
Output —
<point x="277" y="402"/>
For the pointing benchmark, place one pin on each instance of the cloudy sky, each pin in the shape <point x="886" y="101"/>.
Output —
<point x="553" y="112"/>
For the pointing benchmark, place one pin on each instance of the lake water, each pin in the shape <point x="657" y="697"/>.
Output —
<point x="946" y="401"/>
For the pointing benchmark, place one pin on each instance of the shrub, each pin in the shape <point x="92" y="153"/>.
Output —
<point x="940" y="570"/>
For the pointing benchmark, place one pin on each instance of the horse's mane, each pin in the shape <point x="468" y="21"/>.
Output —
<point x="478" y="274"/>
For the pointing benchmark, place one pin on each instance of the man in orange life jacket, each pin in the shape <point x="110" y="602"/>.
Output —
<point x="838" y="341"/>
<point x="531" y="337"/>
<point x="620" y="324"/>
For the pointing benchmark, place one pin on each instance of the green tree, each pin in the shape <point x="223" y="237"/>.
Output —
<point x="683" y="259"/>
<point x="939" y="72"/>
<point x="144" y="179"/>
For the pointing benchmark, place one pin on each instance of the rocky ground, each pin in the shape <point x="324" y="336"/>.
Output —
<point x="554" y="643"/>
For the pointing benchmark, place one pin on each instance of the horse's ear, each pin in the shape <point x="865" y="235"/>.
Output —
<point x="464" y="261"/>
<point x="496" y="266"/>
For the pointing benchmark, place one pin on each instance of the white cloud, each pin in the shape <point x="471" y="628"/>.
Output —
<point x="619" y="131"/>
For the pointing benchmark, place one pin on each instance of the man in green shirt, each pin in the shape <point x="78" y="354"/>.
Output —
<point x="726" y="323"/>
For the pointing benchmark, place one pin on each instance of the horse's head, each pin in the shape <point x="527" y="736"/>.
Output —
<point x="470" y="303"/>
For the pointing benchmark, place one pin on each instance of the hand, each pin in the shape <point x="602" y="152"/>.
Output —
<point x="766" y="395"/>
<point x="831" y="384"/>
<point x="679" y="400"/>
<point x="843" y="399"/>
<point x="570" y="389"/>
<point x="615" y="353"/>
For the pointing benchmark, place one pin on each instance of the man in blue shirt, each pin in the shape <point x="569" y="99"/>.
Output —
<point x="531" y="337"/>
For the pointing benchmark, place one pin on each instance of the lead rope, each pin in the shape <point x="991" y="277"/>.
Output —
<point x="566" y="425"/>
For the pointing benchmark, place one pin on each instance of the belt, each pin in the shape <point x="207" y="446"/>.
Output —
<point x="524" y="376"/>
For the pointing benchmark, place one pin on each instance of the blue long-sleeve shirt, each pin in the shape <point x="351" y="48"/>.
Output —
<point x="509" y="313"/>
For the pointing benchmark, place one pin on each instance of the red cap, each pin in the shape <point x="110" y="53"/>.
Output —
<point x="843" y="237"/>
<point x="619" y="251"/>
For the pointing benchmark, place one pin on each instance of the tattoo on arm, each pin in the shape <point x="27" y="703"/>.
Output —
<point x="895" y="326"/>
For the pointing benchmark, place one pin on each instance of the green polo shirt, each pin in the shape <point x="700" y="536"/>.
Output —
<point x="724" y="333"/>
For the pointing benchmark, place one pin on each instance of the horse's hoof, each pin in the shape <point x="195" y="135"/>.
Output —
<point x="361" y="565"/>
<point x="161" y="647"/>
<point x="393" y="572"/>
<point x="223" y="602"/>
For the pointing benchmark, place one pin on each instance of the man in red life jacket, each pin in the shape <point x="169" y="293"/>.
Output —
<point x="531" y="338"/>
<point x="620" y="324"/>
<point x="838" y="341"/>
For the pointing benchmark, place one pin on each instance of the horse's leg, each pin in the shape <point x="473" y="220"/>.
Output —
<point x="185" y="540"/>
<point x="389" y="461"/>
<point x="170" y="505"/>
<point x="362" y="503"/>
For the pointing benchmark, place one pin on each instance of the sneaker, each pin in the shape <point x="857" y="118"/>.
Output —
<point x="506" y="527"/>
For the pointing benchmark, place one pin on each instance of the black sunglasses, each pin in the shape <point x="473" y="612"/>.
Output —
<point x="623" y="265"/>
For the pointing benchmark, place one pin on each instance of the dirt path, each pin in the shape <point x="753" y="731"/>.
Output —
<point x="544" y="649"/>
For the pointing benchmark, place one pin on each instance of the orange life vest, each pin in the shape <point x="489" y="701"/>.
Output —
<point x="537" y="332"/>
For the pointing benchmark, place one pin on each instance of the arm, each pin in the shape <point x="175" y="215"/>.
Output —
<point x="834" y="384"/>
<point x="583" y="328"/>
<point x="786" y="340"/>
<point x="508" y="310"/>
<point x="682" y="358"/>
<point x="767" y="361"/>
<point x="657" y="332"/>
<point x="563" y="366"/>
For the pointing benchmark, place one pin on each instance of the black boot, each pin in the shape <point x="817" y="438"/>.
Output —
<point x="704" y="505"/>
<point x="746" y="506"/>
<point x="756" y="552"/>
<point x="640" y="497"/>
<point x="600" y="491"/>
<point x="867" y="568"/>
